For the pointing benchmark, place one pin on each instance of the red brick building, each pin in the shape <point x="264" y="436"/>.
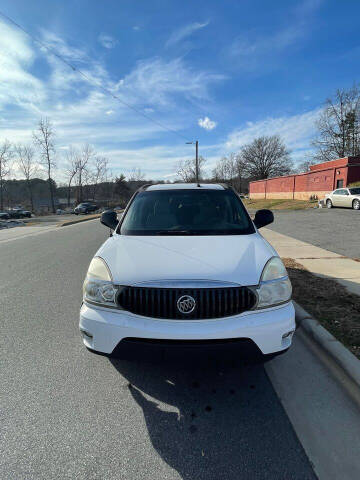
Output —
<point x="321" y="179"/>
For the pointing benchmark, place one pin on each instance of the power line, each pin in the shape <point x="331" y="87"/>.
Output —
<point x="89" y="79"/>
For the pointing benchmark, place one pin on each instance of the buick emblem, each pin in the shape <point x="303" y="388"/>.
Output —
<point x="186" y="304"/>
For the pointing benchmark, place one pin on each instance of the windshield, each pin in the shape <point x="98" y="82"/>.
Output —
<point x="187" y="212"/>
<point x="355" y="191"/>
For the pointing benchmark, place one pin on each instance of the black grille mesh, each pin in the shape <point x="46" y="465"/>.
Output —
<point x="162" y="302"/>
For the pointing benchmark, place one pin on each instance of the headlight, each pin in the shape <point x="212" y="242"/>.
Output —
<point x="275" y="287"/>
<point x="98" y="287"/>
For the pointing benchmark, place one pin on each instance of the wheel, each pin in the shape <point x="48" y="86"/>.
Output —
<point x="356" y="204"/>
<point x="329" y="203"/>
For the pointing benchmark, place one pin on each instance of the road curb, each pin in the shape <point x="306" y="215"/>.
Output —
<point x="340" y="354"/>
<point x="77" y="220"/>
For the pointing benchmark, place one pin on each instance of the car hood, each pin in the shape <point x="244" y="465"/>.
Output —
<point x="237" y="259"/>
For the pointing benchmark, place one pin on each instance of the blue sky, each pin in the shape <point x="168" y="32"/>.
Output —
<point x="220" y="72"/>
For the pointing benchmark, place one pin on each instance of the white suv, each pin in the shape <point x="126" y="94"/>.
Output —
<point x="187" y="263"/>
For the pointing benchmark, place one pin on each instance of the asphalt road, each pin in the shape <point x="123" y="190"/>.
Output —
<point x="70" y="414"/>
<point x="335" y="229"/>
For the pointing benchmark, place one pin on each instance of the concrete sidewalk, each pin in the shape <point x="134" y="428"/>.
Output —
<point x="318" y="399"/>
<point x="317" y="260"/>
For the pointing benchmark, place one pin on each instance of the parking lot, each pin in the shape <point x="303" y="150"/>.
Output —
<point x="335" y="229"/>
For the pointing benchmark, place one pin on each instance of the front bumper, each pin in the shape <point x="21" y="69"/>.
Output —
<point x="103" y="329"/>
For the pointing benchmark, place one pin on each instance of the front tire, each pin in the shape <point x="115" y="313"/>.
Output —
<point x="356" y="204"/>
<point x="329" y="203"/>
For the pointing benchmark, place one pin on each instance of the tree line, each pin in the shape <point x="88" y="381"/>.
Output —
<point x="264" y="157"/>
<point x="337" y="136"/>
<point x="87" y="174"/>
<point x="83" y="167"/>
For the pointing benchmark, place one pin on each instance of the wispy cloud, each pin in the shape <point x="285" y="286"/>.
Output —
<point x="263" y="44"/>
<point x="307" y="7"/>
<point x="258" y="50"/>
<point x="81" y="112"/>
<point x="297" y="131"/>
<point x="159" y="81"/>
<point x="107" y="41"/>
<point x="18" y="85"/>
<point x="253" y="51"/>
<point x="59" y="45"/>
<point x="206" y="123"/>
<point x="184" y="32"/>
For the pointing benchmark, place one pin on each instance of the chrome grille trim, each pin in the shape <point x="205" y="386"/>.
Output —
<point x="162" y="302"/>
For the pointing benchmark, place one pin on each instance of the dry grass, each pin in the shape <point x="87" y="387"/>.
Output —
<point x="279" y="204"/>
<point x="329" y="302"/>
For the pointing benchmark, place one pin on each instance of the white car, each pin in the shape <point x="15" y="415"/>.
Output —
<point x="344" y="197"/>
<point x="187" y="263"/>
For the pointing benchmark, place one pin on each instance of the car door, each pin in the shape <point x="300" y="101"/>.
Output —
<point x="336" y="198"/>
<point x="341" y="197"/>
<point x="347" y="199"/>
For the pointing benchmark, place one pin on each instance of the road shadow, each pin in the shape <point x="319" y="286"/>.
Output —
<point x="215" y="419"/>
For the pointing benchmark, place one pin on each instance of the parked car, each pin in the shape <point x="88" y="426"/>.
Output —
<point x="85" y="207"/>
<point x="187" y="263"/>
<point x="344" y="197"/>
<point x="19" y="213"/>
<point x="14" y="213"/>
<point x="25" y="214"/>
<point x="4" y="216"/>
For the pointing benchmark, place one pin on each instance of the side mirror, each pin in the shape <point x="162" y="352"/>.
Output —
<point x="263" y="217"/>
<point x="109" y="219"/>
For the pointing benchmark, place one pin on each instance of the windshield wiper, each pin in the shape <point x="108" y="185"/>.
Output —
<point x="174" y="232"/>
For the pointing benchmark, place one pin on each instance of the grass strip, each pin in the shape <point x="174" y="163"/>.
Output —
<point x="328" y="302"/>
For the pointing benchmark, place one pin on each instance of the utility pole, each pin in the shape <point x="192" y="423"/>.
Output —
<point x="196" y="160"/>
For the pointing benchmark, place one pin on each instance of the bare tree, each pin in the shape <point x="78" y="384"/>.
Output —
<point x="82" y="160"/>
<point x="71" y="170"/>
<point x="241" y="172"/>
<point x="230" y="169"/>
<point x="266" y="157"/>
<point x="99" y="173"/>
<point x="6" y="155"/>
<point x="303" y="166"/>
<point x="186" y="169"/>
<point x="136" y="175"/>
<point x="339" y="126"/>
<point x="44" y="139"/>
<point x="27" y="166"/>
<point x="225" y="169"/>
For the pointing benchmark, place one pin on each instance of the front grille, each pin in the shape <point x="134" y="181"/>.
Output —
<point x="209" y="302"/>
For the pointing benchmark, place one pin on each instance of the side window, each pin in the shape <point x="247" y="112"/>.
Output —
<point x="337" y="192"/>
